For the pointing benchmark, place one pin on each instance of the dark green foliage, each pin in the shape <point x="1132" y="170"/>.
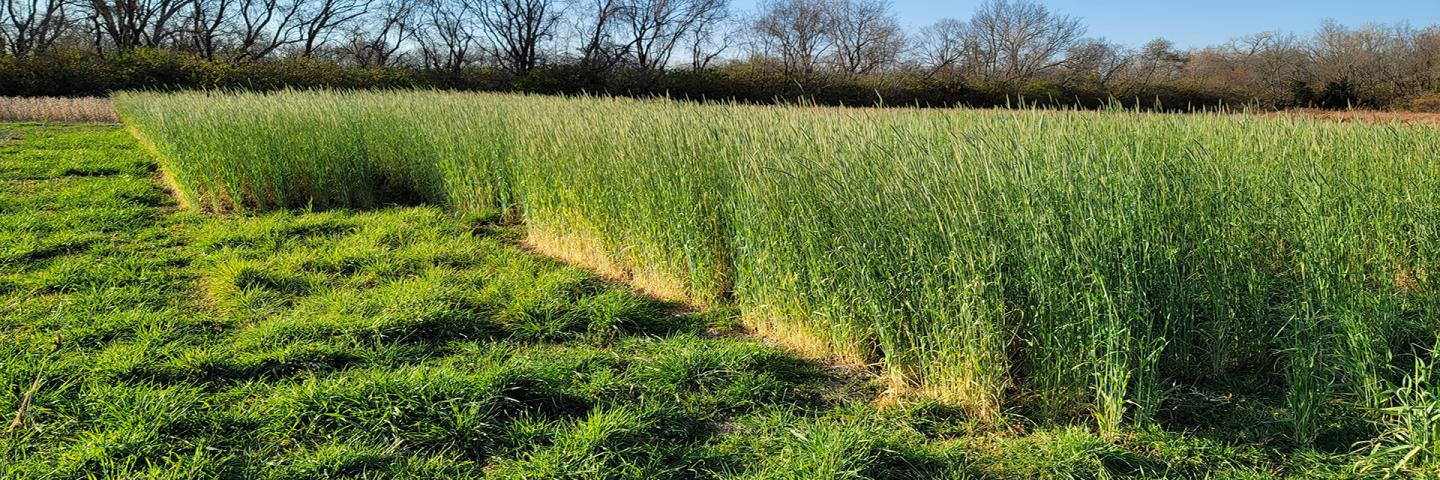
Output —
<point x="1340" y="94"/>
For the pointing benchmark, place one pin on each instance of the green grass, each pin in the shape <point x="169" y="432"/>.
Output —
<point x="1072" y="268"/>
<point x="405" y="342"/>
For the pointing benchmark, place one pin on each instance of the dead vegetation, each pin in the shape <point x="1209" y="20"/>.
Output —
<point x="1366" y="116"/>
<point x="57" y="110"/>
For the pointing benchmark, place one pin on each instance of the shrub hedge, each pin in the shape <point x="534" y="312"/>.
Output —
<point x="72" y="73"/>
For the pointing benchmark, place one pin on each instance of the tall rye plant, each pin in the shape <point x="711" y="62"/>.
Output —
<point x="1079" y="264"/>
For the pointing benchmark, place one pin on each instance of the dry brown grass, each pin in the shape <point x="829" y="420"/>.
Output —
<point x="60" y="110"/>
<point x="1366" y="116"/>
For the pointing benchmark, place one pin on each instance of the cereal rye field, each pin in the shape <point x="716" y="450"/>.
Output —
<point x="139" y="340"/>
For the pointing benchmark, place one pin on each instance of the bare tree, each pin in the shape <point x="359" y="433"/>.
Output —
<point x="795" y="31"/>
<point x="709" y="40"/>
<point x="1159" y="60"/>
<point x="204" y="26"/>
<point x="448" y="35"/>
<point x="597" y="26"/>
<point x="865" y="33"/>
<point x="31" y="26"/>
<point x="945" y="47"/>
<point x="264" y="26"/>
<point x="1264" y="65"/>
<point x="1369" y="59"/>
<point x="319" y="19"/>
<point x="1021" y="39"/>
<point x="1424" y="64"/>
<point x="1099" y="61"/>
<point x="656" y="27"/>
<point x="130" y="24"/>
<point x="377" y="43"/>
<point x="516" y="28"/>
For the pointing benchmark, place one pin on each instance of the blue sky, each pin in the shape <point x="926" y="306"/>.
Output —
<point x="1188" y="23"/>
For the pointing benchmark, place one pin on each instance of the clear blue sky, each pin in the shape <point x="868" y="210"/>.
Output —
<point x="1187" y="23"/>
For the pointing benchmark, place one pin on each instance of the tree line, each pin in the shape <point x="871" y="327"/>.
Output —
<point x="833" y="51"/>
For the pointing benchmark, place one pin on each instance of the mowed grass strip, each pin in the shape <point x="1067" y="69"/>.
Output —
<point x="1074" y="267"/>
